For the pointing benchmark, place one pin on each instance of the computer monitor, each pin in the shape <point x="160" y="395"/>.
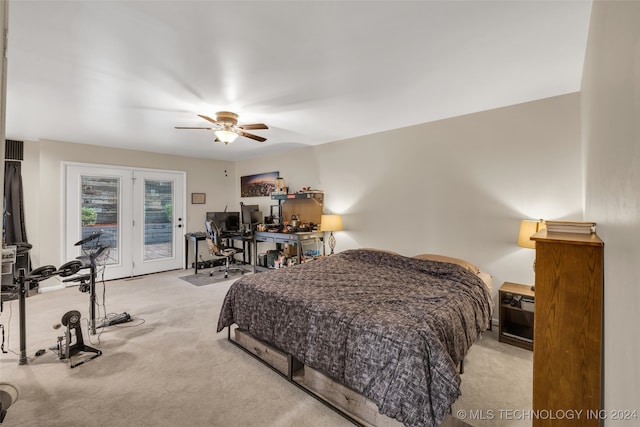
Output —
<point x="247" y="214"/>
<point x="256" y="217"/>
<point x="251" y="217"/>
<point x="228" y="222"/>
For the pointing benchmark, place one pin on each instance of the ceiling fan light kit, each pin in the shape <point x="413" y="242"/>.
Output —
<point x="227" y="128"/>
<point x="226" y="136"/>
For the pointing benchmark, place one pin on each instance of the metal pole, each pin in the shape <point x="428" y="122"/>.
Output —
<point x="92" y="297"/>
<point x="23" y="317"/>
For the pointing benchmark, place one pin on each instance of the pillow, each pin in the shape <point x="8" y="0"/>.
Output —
<point x="442" y="258"/>
<point x="488" y="280"/>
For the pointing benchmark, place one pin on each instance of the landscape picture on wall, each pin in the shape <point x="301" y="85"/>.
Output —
<point x="258" y="185"/>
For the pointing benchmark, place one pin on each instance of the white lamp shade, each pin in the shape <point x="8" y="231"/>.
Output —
<point x="331" y="223"/>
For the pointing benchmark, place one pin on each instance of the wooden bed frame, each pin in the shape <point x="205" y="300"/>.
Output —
<point x="345" y="401"/>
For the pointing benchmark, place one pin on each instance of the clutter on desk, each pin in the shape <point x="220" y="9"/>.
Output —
<point x="287" y="227"/>
<point x="293" y="225"/>
<point x="287" y="254"/>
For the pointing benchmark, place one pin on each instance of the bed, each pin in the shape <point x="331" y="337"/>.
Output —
<point x="392" y="328"/>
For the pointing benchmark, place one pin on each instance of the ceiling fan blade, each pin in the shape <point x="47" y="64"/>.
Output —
<point x="252" y="136"/>
<point x="208" y="118"/>
<point x="189" y="127"/>
<point x="253" y="126"/>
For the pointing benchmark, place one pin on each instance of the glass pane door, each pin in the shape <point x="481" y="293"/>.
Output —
<point x="158" y="219"/>
<point x="99" y="209"/>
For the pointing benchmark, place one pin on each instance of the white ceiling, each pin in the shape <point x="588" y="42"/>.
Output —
<point x="124" y="73"/>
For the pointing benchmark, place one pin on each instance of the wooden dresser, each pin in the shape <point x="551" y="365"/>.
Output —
<point x="567" y="345"/>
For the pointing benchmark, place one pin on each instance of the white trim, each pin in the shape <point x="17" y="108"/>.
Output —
<point x="101" y="165"/>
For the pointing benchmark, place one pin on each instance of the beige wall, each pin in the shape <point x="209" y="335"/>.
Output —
<point x="42" y="177"/>
<point x="4" y="26"/>
<point x="457" y="187"/>
<point x="611" y="127"/>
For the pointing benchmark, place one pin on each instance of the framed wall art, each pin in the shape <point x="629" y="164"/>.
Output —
<point x="198" y="198"/>
<point x="258" y="185"/>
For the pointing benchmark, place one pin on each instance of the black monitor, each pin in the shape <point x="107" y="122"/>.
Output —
<point x="256" y="217"/>
<point x="226" y="221"/>
<point x="248" y="215"/>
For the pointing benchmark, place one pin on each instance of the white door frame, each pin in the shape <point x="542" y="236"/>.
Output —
<point x="70" y="232"/>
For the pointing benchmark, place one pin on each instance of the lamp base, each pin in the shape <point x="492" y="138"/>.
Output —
<point x="332" y="242"/>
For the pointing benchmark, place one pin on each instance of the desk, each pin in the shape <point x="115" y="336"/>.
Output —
<point x="195" y="238"/>
<point x="200" y="235"/>
<point x="281" y="238"/>
<point x="247" y="241"/>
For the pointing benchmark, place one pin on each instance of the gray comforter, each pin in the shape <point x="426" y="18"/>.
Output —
<point x="390" y="327"/>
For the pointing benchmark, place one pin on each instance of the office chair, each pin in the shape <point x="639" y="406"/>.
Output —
<point x="218" y="250"/>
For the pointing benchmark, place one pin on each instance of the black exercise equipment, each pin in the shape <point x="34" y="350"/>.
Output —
<point x="67" y="349"/>
<point x="41" y="273"/>
<point x="70" y="268"/>
<point x="91" y="251"/>
<point x="24" y="282"/>
<point x="71" y="319"/>
<point x="8" y="287"/>
<point x="84" y="286"/>
<point x="22" y="247"/>
<point x="90" y="238"/>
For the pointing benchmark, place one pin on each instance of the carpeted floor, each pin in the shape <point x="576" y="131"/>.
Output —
<point x="168" y="367"/>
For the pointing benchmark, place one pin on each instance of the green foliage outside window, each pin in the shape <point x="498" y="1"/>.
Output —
<point x="89" y="216"/>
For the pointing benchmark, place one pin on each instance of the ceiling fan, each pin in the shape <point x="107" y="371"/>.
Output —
<point x="227" y="128"/>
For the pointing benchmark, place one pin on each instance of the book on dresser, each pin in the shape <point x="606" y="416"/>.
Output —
<point x="580" y="227"/>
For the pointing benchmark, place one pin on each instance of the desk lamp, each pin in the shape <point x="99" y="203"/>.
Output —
<point x="527" y="229"/>
<point x="331" y="223"/>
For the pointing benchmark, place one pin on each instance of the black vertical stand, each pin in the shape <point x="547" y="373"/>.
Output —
<point x="92" y="295"/>
<point x="92" y="255"/>
<point x="22" y="295"/>
<point x="36" y="275"/>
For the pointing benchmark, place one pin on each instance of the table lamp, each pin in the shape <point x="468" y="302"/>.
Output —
<point x="331" y="223"/>
<point x="527" y="229"/>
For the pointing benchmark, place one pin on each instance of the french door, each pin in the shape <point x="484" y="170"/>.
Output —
<point x="138" y="213"/>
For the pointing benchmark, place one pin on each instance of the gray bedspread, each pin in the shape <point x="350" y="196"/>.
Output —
<point x="393" y="328"/>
